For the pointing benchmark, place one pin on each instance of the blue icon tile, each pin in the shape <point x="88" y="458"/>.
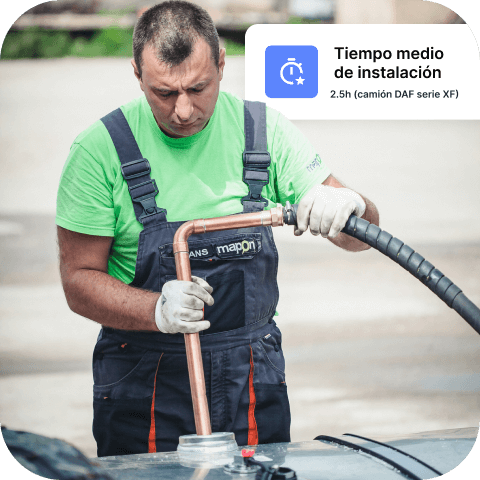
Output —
<point x="291" y="71"/>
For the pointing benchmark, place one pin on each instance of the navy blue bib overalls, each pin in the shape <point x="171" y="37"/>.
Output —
<point x="142" y="399"/>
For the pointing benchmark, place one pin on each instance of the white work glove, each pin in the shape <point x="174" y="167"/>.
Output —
<point x="326" y="210"/>
<point x="180" y="307"/>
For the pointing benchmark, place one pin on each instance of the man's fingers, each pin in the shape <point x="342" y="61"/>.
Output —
<point x="303" y="215"/>
<point x="192" y="288"/>
<point x="193" y="327"/>
<point x="316" y="215"/>
<point x="202" y="283"/>
<point x="340" y="220"/>
<point x="326" y="210"/>
<point x="193" y="302"/>
<point x="180" y="307"/>
<point x="327" y="219"/>
<point x="189" y="315"/>
<point x="360" y="207"/>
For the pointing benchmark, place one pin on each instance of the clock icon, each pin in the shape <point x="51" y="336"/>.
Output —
<point x="291" y="62"/>
<point x="291" y="71"/>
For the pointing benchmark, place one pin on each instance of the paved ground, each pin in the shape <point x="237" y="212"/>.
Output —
<point x="369" y="349"/>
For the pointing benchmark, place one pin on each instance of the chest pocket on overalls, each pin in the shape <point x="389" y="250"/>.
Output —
<point x="227" y="263"/>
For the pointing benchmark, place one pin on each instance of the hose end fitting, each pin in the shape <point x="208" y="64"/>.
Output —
<point x="290" y="214"/>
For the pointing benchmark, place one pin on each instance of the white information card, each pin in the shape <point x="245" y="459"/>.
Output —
<point x="317" y="72"/>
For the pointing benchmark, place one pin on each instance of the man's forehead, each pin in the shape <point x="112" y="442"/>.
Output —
<point x="184" y="76"/>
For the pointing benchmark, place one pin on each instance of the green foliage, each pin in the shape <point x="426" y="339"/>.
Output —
<point x="109" y="42"/>
<point x="38" y="42"/>
<point x="294" y="20"/>
<point x="234" y="48"/>
<point x="41" y="43"/>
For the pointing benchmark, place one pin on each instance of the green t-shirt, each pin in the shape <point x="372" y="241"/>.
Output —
<point x="197" y="177"/>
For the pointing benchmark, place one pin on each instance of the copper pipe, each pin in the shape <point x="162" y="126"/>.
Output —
<point x="272" y="217"/>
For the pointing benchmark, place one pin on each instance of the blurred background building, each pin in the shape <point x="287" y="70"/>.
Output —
<point x="239" y="14"/>
<point x="243" y="11"/>
<point x="76" y="27"/>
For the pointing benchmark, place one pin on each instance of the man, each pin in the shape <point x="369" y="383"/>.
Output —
<point x="115" y="238"/>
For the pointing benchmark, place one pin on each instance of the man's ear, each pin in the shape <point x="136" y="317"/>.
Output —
<point x="221" y="62"/>
<point x="137" y="73"/>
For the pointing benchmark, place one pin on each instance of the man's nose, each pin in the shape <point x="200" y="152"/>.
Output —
<point x="183" y="107"/>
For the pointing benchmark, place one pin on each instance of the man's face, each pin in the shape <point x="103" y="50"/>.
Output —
<point x="182" y="98"/>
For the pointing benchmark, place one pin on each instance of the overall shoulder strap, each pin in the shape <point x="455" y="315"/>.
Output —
<point x="135" y="169"/>
<point x="256" y="158"/>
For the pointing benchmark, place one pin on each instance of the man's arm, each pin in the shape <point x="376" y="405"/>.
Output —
<point x="94" y="294"/>
<point x="326" y="211"/>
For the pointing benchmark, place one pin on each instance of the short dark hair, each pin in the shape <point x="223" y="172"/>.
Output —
<point x="172" y="28"/>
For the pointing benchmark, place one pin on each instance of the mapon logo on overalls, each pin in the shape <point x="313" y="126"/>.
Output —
<point x="225" y="250"/>
<point x="238" y="248"/>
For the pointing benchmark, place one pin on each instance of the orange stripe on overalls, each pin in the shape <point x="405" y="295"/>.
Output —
<point x="152" y="446"/>
<point x="252" y="423"/>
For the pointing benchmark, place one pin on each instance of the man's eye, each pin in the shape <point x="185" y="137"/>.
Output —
<point x="196" y="90"/>
<point x="166" y="95"/>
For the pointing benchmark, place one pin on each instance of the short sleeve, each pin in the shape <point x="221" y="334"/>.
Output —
<point x="85" y="199"/>
<point x="297" y="164"/>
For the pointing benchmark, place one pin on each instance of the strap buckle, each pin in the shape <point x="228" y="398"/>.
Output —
<point x="134" y="170"/>
<point x="256" y="179"/>
<point x="256" y="159"/>
<point x="148" y="191"/>
<point x="255" y="175"/>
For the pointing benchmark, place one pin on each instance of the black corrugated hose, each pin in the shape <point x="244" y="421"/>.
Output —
<point x="410" y="260"/>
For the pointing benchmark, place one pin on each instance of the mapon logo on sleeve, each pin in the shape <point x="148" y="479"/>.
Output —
<point x="291" y="71"/>
<point x="311" y="166"/>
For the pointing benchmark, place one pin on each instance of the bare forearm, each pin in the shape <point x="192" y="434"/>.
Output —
<point x="110" y="302"/>
<point x="353" y="245"/>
